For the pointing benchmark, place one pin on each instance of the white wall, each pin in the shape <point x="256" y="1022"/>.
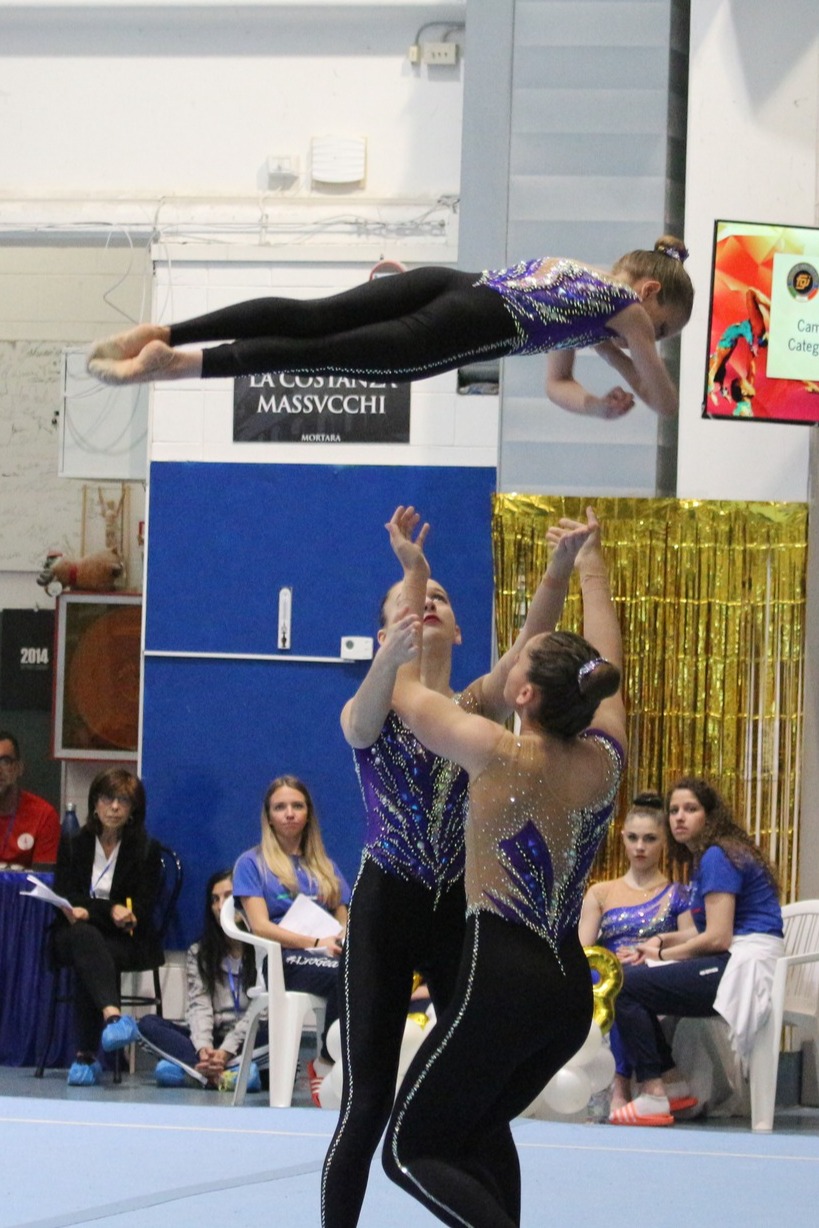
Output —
<point x="112" y="109"/>
<point x="193" y="421"/>
<point x="752" y="155"/>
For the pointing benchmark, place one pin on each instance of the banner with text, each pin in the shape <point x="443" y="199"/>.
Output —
<point x="288" y="408"/>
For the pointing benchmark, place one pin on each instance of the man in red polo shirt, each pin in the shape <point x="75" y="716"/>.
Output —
<point x="29" y="825"/>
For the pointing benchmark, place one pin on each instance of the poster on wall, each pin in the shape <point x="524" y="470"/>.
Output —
<point x="289" y="408"/>
<point x="26" y="644"/>
<point x="763" y="328"/>
<point x="96" y="693"/>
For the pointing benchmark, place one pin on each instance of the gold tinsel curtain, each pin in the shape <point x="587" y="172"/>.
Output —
<point x="711" y="598"/>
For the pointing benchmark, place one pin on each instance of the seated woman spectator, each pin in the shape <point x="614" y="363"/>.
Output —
<point x="720" y="965"/>
<point x="291" y="860"/>
<point x="621" y="912"/>
<point x="110" y="872"/>
<point x="219" y="973"/>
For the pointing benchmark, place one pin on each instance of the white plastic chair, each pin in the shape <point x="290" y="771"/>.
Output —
<point x="287" y="1014"/>
<point x="794" y="1001"/>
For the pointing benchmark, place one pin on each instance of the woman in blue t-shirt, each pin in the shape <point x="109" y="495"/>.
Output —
<point x="736" y="938"/>
<point x="291" y="860"/>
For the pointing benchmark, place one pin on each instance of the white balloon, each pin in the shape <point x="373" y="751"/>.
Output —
<point x="589" y="1048"/>
<point x="334" y="1041"/>
<point x="332" y="1087"/>
<point x="600" y="1070"/>
<point x="568" y="1091"/>
<point x="539" y="1109"/>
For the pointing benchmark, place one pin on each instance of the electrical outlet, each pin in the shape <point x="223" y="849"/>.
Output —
<point x="439" y="53"/>
<point x="282" y="167"/>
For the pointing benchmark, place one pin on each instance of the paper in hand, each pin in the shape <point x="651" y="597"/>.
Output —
<point x="41" y="891"/>
<point x="305" y="916"/>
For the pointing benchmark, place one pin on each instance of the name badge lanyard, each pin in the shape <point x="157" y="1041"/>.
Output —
<point x="102" y="874"/>
<point x="235" y="989"/>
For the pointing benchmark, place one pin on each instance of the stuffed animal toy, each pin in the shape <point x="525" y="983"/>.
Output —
<point x="95" y="572"/>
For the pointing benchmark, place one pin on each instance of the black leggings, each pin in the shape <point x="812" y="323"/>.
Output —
<point x="394" y="928"/>
<point x="403" y="327"/>
<point x="516" y="1019"/>
<point x="97" y="959"/>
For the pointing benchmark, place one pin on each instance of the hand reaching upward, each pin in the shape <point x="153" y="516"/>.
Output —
<point x="407" y="544"/>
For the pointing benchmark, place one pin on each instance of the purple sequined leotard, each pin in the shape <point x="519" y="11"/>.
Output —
<point x="629" y="924"/>
<point x="415" y="804"/>
<point x="568" y="306"/>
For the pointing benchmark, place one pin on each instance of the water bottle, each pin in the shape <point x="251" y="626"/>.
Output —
<point x="71" y="824"/>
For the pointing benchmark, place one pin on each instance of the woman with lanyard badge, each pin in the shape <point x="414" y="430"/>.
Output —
<point x="110" y="871"/>
<point x="220" y="970"/>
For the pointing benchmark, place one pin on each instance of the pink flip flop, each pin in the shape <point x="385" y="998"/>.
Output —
<point x="629" y="1116"/>
<point x="315" y="1081"/>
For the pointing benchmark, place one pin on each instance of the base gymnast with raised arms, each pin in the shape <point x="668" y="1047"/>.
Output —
<point x="539" y="804"/>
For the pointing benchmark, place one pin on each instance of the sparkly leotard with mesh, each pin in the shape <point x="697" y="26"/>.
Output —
<point x="527" y="857"/>
<point x="625" y="925"/>
<point x="566" y="306"/>
<point x="523" y="1002"/>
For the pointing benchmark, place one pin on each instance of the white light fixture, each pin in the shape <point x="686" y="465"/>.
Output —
<point x="338" y="159"/>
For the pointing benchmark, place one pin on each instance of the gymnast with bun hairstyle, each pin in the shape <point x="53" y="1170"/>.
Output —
<point x="416" y="324"/>
<point x="540" y="802"/>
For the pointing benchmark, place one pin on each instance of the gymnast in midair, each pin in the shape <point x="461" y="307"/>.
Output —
<point x="417" y="324"/>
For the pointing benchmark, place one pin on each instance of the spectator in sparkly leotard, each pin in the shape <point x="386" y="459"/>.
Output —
<point x="417" y="324"/>
<point x="621" y="912"/>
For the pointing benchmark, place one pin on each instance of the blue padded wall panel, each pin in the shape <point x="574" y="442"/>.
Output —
<point x="222" y="539"/>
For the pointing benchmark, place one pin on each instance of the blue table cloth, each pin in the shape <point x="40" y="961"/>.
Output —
<point x="25" y="979"/>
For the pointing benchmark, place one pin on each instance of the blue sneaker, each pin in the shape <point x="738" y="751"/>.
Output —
<point x="254" y="1079"/>
<point x="119" y="1033"/>
<point x="168" y="1074"/>
<point x="84" y="1074"/>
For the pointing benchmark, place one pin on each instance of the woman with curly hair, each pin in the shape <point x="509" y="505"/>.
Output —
<point x="721" y="965"/>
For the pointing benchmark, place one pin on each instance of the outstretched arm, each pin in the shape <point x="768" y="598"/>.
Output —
<point x="363" y="716"/>
<point x="544" y="610"/>
<point x="601" y="626"/>
<point x="569" y="393"/>
<point x="441" y="725"/>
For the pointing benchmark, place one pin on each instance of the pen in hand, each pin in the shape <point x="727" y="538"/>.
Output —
<point x="130" y="907"/>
